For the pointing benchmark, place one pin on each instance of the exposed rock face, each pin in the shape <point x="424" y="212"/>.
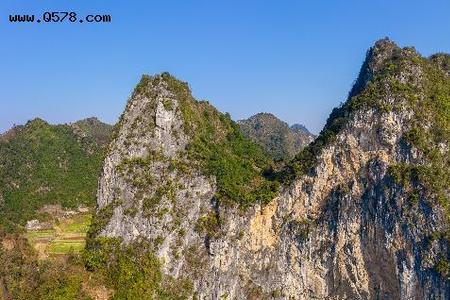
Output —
<point x="275" y="136"/>
<point x="343" y="230"/>
<point x="169" y="201"/>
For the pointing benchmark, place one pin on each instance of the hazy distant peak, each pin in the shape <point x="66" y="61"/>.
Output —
<point x="275" y="136"/>
<point x="300" y="127"/>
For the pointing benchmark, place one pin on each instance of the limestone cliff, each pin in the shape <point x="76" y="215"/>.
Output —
<point x="362" y="212"/>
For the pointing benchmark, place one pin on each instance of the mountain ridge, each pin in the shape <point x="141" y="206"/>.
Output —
<point x="327" y="198"/>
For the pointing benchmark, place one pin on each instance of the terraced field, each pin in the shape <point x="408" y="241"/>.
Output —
<point x="66" y="236"/>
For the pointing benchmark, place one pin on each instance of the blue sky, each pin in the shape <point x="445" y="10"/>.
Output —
<point x="296" y="59"/>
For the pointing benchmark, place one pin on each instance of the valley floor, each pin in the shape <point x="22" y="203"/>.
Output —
<point x="65" y="236"/>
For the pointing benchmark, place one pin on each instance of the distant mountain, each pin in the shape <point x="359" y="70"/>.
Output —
<point x="93" y="128"/>
<point x="275" y="136"/>
<point x="49" y="164"/>
<point x="301" y="128"/>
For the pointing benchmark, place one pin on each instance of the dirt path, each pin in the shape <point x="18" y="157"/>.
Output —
<point x="41" y="250"/>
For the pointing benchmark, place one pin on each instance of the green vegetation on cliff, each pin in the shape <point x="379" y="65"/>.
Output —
<point x="415" y="89"/>
<point x="220" y="148"/>
<point x="215" y="148"/>
<point x="133" y="271"/>
<point x="418" y="84"/>
<point x="429" y="133"/>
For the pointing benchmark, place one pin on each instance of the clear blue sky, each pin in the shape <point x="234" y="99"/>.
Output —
<point x="296" y="59"/>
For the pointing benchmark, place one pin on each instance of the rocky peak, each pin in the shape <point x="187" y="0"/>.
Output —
<point x="166" y="140"/>
<point x="151" y="123"/>
<point x="382" y="51"/>
<point x="366" y="145"/>
<point x="390" y="81"/>
<point x="381" y="58"/>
